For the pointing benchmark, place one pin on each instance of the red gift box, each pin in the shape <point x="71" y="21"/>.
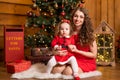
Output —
<point x="18" y="66"/>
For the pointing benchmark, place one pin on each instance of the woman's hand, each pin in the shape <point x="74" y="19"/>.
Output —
<point x="72" y="48"/>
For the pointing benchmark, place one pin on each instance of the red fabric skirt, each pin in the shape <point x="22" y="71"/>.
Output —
<point x="63" y="58"/>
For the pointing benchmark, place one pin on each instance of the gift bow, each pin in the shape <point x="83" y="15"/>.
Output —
<point x="65" y="20"/>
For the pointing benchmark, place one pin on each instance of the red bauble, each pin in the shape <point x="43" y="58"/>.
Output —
<point x="43" y="26"/>
<point x="63" y="13"/>
<point x="80" y="5"/>
<point x="62" y="6"/>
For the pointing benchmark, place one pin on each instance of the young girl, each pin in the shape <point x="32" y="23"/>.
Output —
<point x="60" y="43"/>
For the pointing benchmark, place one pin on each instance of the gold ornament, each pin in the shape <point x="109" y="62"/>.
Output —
<point x="56" y="5"/>
<point x="51" y="13"/>
<point x="40" y="9"/>
<point x="44" y="14"/>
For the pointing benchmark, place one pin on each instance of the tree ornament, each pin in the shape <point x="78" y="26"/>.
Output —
<point x="80" y="5"/>
<point x="44" y="13"/>
<point x="34" y="25"/>
<point x="37" y="13"/>
<point x="62" y="6"/>
<point x="82" y="1"/>
<point x="29" y="13"/>
<point x="34" y="6"/>
<point x="72" y="8"/>
<point x="40" y="9"/>
<point x="51" y="13"/>
<point x="45" y="30"/>
<point x="43" y="26"/>
<point x="33" y="1"/>
<point x="63" y="13"/>
<point x="34" y="15"/>
<point x="50" y="9"/>
<point x="56" y="5"/>
<point x="66" y="2"/>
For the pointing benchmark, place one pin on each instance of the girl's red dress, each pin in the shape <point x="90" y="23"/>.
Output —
<point x="85" y="63"/>
<point x="64" y="42"/>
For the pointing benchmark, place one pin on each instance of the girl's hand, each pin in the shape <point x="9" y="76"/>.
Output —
<point x="59" y="48"/>
<point x="63" y="52"/>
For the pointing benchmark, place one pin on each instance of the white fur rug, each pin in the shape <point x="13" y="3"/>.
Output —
<point x="37" y="71"/>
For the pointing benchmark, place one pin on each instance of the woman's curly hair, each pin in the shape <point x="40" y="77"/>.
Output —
<point x="85" y="34"/>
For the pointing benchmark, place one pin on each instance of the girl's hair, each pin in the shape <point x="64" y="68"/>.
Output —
<point x="57" y="31"/>
<point x="85" y="34"/>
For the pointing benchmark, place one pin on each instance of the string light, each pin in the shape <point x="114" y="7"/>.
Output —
<point x="105" y="52"/>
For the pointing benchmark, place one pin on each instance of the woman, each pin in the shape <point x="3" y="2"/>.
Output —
<point x="85" y="49"/>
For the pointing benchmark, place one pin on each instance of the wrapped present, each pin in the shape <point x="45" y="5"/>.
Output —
<point x="40" y="51"/>
<point x="18" y="66"/>
<point x="37" y="59"/>
<point x="36" y="52"/>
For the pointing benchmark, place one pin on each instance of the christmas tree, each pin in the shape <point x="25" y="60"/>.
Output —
<point x="45" y="14"/>
<point x="118" y="50"/>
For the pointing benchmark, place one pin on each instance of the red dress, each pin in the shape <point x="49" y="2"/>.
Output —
<point x="64" y="42"/>
<point x="85" y="63"/>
